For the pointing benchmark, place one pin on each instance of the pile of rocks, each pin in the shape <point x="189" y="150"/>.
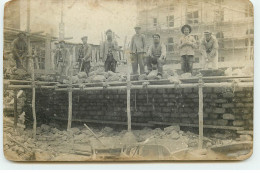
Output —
<point x="99" y="75"/>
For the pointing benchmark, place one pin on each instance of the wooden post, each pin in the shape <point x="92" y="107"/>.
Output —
<point x="32" y="69"/>
<point x="70" y="98"/>
<point x="15" y="109"/>
<point x="128" y="92"/>
<point x="200" y="145"/>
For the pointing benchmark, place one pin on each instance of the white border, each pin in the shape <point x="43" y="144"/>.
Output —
<point x="252" y="163"/>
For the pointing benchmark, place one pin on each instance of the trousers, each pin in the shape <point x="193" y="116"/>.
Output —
<point x="187" y="63"/>
<point x="110" y="64"/>
<point x="138" y="60"/>
<point x="153" y="64"/>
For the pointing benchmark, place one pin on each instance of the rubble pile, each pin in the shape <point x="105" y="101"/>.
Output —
<point x="246" y="70"/>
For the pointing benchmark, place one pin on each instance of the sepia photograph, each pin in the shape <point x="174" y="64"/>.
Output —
<point x="128" y="80"/>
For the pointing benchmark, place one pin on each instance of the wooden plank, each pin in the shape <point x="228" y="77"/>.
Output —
<point x="233" y="147"/>
<point x="245" y="132"/>
<point x="196" y="125"/>
<point x="94" y="134"/>
<point x="103" y="122"/>
<point x="200" y="145"/>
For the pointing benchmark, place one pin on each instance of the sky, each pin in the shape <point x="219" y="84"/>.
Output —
<point x="82" y="18"/>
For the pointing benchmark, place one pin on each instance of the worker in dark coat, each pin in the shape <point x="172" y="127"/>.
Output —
<point x="19" y="50"/>
<point x="109" y="52"/>
<point x="62" y="59"/>
<point x="84" y="55"/>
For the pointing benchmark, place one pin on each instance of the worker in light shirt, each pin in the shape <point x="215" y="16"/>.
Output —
<point x="187" y="46"/>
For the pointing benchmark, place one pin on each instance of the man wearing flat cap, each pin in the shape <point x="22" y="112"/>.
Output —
<point x="187" y="46"/>
<point x="209" y="50"/>
<point x="156" y="56"/>
<point x="62" y="59"/>
<point x="109" y="52"/>
<point x="84" y="55"/>
<point x="137" y="50"/>
<point x="19" y="50"/>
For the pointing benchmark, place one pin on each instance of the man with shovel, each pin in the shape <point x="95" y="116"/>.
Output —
<point x="84" y="56"/>
<point x="20" y="51"/>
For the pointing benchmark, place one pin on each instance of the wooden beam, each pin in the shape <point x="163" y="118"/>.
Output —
<point x="196" y="125"/>
<point x="15" y="110"/>
<point x="104" y="122"/>
<point x="32" y="68"/>
<point x="128" y="95"/>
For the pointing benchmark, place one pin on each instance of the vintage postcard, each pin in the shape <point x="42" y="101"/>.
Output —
<point x="128" y="80"/>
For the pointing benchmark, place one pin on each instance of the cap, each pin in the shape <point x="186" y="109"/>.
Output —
<point x="61" y="41"/>
<point x="157" y="35"/>
<point x="207" y="32"/>
<point x="84" y="37"/>
<point x="137" y="27"/>
<point x="21" y="33"/>
<point x="109" y="30"/>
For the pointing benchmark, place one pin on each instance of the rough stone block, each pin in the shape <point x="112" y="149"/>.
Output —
<point x="219" y="110"/>
<point x="228" y="116"/>
<point x="228" y="105"/>
<point x="213" y="116"/>
<point x="239" y="105"/>
<point x="238" y="123"/>
<point x="228" y="94"/>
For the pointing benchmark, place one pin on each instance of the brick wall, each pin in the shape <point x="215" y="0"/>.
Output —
<point x="222" y="106"/>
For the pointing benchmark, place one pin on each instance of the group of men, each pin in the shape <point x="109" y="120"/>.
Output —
<point x="155" y="57"/>
<point x="147" y="60"/>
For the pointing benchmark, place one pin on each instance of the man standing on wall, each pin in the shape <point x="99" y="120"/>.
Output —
<point x="84" y="56"/>
<point x="62" y="59"/>
<point x="156" y="55"/>
<point x="137" y="50"/>
<point x="19" y="50"/>
<point x="209" y="50"/>
<point x="108" y="52"/>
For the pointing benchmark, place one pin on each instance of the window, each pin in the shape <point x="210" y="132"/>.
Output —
<point x="171" y="7"/>
<point x="170" y="21"/>
<point x="250" y="38"/>
<point x="219" y="1"/>
<point x="197" y="60"/>
<point x="170" y="48"/>
<point x="193" y="17"/>
<point x="154" y="21"/>
<point x="219" y="15"/>
<point x="249" y="11"/>
<point x="170" y="43"/>
<point x="221" y="59"/>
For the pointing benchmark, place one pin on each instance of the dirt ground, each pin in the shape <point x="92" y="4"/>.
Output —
<point x="79" y="144"/>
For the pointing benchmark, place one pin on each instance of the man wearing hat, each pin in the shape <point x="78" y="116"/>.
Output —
<point x="19" y="50"/>
<point x="84" y="55"/>
<point x="187" y="45"/>
<point x="209" y="50"/>
<point x="137" y="50"/>
<point x="109" y="52"/>
<point x="62" y="59"/>
<point x="156" y="56"/>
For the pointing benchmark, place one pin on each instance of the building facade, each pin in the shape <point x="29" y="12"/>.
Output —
<point x="231" y="21"/>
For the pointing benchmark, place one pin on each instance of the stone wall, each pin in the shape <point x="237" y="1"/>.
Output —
<point x="222" y="106"/>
